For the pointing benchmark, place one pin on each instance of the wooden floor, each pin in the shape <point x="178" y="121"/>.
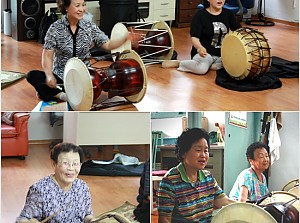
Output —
<point x="17" y="175"/>
<point x="169" y="89"/>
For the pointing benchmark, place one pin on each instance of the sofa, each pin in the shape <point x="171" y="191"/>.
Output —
<point x="14" y="134"/>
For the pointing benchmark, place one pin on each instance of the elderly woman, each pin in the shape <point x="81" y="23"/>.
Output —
<point x="70" y="36"/>
<point x="251" y="183"/>
<point x="61" y="197"/>
<point x="188" y="193"/>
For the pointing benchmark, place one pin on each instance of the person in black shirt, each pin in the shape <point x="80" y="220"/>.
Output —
<point x="142" y="211"/>
<point x="208" y="28"/>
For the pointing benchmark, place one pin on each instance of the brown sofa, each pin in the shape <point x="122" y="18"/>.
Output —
<point x="14" y="134"/>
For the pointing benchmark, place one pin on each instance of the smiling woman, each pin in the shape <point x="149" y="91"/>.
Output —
<point x="188" y="193"/>
<point x="61" y="197"/>
<point x="71" y="36"/>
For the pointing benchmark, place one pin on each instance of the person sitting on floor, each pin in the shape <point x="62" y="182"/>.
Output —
<point x="208" y="28"/>
<point x="142" y="211"/>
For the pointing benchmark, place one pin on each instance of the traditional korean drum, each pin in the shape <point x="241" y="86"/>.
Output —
<point x="246" y="54"/>
<point x="126" y="77"/>
<point x="153" y="40"/>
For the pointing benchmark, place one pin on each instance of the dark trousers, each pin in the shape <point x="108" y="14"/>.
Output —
<point x="142" y="213"/>
<point x="37" y="79"/>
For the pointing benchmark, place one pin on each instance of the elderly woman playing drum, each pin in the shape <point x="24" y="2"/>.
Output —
<point x="251" y="184"/>
<point x="70" y="36"/>
<point x="60" y="197"/>
<point x="208" y="28"/>
<point x="188" y="193"/>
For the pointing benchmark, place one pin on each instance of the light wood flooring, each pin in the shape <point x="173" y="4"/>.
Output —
<point x="17" y="175"/>
<point x="169" y="89"/>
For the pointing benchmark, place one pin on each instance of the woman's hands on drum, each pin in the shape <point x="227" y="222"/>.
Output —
<point x="134" y="37"/>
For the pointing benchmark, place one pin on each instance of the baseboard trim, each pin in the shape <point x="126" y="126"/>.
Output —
<point x="290" y="23"/>
<point x="41" y="142"/>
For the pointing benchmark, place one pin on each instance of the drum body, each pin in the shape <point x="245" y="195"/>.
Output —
<point x="290" y="185"/>
<point x="281" y="196"/>
<point x="283" y="206"/>
<point x="125" y="77"/>
<point x="246" y="54"/>
<point x="153" y="41"/>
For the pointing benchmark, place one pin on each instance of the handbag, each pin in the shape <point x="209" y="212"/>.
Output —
<point x="46" y="22"/>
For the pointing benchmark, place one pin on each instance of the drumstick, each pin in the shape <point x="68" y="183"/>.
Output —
<point x="54" y="214"/>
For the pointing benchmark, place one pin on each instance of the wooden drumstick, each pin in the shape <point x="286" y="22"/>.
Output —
<point x="54" y="214"/>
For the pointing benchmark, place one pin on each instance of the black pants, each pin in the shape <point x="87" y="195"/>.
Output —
<point x="142" y="213"/>
<point x="37" y="79"/>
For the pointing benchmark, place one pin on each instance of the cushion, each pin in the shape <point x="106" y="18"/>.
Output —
<point x="8" y="118"/>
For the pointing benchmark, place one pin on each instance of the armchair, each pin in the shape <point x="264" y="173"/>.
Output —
<point x="237" y="7"/>
<point x="14" y="135"/>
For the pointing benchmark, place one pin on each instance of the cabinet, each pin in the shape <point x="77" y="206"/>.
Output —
<point x="164" y="10"/>
<point x="215" y="163"/>
<point x="185" y="10"/>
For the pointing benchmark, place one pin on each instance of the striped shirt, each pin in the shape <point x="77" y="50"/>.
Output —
<point x="67" y="45"/>
<point x="248" y="178"/>
<point x="185" y="201"/>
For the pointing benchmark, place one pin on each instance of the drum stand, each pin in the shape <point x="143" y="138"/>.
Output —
<point x="261" y="21"/>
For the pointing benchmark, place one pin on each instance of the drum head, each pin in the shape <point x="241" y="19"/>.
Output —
<point x="120" y="32"/>
<point x="133" y="55"/>
<point x="281" y="196"/>
<point x="235" y="56"/>
<point x="290" y="185"/>
<point x="164" y="26"/>
<point x="242" y="213"/>
<point x="78" y="85"/>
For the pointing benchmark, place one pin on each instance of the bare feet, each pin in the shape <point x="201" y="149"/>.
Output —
<point x="170" y="63"/>
<point x="62" y="96"/>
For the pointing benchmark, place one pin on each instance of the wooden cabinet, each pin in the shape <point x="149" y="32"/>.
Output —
<point x="164" y="10"/>
<point x="185" y="10"/>
<point x="215" y="163"/>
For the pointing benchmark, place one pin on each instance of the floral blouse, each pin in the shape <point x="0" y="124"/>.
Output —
<point x="46" y="198"/>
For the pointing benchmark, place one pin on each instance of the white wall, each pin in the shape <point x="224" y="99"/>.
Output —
<point x="171" y="127"/>
<point x="39" y="127"/>
<point x="213" y="117"/>
<point x="287" y="10"/>
<point x="287" y="167"/>
<point x="107" y="128"/>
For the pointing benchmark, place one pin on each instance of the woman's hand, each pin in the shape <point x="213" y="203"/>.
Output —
<point x="202" y="51"/>
<point x="134" y="37"/>
<point x="51" y="81"/>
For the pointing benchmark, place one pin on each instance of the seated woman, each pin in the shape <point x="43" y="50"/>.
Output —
<point x="251" y="183"/>
<point x="60" y="197"/>
<point x="208" y="29"/>
<point x="188" y="193"/>
<point x="142" y="211"/>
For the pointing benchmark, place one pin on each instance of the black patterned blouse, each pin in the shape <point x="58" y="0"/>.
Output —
<point x="45" y="198"/>
<point x="67" y="45"/>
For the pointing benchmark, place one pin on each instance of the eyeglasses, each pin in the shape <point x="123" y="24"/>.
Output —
<point x="66" y="164"/>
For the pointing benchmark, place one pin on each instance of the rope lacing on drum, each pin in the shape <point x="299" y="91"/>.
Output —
<point x="258" y="50"/>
